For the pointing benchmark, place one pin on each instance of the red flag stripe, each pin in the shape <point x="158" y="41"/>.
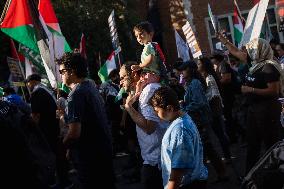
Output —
<point x="83" y="46"/>
<point x="17" y="15"/>
<point x="255" y="2"/>
<point x="47" y="11"/>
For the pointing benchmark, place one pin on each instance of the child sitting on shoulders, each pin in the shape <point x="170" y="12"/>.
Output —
<point x="152" y="58"/>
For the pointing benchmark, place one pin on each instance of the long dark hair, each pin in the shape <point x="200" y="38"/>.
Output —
<point x="194" y="74"/>
<point x="209" y="69"/>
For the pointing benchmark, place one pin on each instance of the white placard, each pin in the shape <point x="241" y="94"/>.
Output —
<point x="191" y="40"/>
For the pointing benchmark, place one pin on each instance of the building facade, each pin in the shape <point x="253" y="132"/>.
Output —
<point x="174" y="14"/>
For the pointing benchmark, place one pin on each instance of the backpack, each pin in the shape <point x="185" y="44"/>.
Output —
<point x="268" y="172"/>
<point x="163" y="67"/>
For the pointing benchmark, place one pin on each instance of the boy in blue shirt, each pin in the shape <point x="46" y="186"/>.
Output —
<point x="181" y="151"/>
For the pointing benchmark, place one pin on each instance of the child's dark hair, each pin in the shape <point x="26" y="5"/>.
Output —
<point x="74" y="61"/>
<point x="144" y="26"/>
<point x="163" y="97"/>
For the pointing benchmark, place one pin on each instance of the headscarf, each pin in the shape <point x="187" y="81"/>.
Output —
<point x="261" y="53"/>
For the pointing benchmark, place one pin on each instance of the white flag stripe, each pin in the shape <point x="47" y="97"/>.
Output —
<point x="111" y="17"/>
<point x="254" y="22"/>
<point x="28" y="67"/>
<point x="182" y="47"/>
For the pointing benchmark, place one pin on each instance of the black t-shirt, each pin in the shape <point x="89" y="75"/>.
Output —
<point x="231" y="88"/>
<point x="267" y="74"/>
<point x="85" y="106"/>
<point x="44" y="104"/>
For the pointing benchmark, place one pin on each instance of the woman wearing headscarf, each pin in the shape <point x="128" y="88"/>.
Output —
<point x="262" y="92"/>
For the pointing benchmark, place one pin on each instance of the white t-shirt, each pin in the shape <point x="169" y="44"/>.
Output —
<point x="150" y="145"/>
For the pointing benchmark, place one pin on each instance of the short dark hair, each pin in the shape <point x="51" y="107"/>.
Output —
<point x="33" y="77"/>
<point x="127" y="67"/>
<point x="74" y="61"/>
<point x="144" y="26"/>
<point x="281" y="45"/>
<point x="218" y="56"/>
<point x="113" y="73"/>
<point x="9" y="90"/>
<point x="163" y="97"/>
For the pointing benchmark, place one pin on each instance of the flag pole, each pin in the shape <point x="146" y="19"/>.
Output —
<point x="22" y="70"/>
<point x="239" y="13"/>
<point x="7" y="5"/>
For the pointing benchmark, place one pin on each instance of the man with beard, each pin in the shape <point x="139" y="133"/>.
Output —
<point x="150" y="129"/>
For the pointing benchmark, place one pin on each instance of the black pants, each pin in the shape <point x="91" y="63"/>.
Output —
<point x="151" y="177"/>
<point x="93" y="171"/>
<point x="198" y="184"/>
<point x="231" y="126"/>
<point x="218" y="127"/>
<point x="263" y="126"/>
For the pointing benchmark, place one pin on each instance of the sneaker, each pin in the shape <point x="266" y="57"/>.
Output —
<point x="121" y="154"/>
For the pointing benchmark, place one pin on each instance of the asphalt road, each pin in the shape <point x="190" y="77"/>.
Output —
<point x="234" y="171"/>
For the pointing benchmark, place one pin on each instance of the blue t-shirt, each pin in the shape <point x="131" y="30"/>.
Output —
<point x="182" y="149"/>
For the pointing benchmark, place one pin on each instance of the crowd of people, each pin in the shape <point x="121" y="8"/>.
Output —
<point x="159" y="116"/>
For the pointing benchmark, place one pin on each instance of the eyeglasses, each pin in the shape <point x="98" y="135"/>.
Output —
<point x="63" y="71"/>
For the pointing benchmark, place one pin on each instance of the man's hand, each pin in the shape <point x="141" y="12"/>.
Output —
<point x="221" y="35"/>
<point x="130" y="100"/>
<point x="246" y="89"/>
<point x="135" y="68"/>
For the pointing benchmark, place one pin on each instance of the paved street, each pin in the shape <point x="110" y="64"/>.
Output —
<point x="235" y="170"/>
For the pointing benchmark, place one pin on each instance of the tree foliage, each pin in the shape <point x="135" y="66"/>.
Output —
<point x="91" y="18"/>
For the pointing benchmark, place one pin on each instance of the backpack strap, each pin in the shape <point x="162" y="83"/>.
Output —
<point x="160" y="54"/>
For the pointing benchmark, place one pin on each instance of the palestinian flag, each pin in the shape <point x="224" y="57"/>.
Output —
<point x="18" y="24"/>
<point x="25" y="24"/>
<point x="47" y="12"/>
<point x="238" y="24"/>
<point x="107" y="67"/>
<point x="64" y="88"/>
<point x="265" y="30"/>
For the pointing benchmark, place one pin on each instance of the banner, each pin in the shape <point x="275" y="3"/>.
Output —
<point x="279" y="4"/>
<point x="191" y="40"/>
<point x="34" y="57"/>
<point x="113" y="31"/>
<point x="17" y="76"/>
<point x="254" y="22"/>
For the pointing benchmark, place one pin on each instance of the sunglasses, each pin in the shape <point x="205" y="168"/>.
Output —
<point x="63" y="71"/>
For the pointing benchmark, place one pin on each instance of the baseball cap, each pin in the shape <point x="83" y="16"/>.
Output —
<point x="186" y="64"/>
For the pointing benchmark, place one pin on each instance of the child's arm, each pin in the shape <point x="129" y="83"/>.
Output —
<point x="147" y="61"/>
<point x="175" y="178"/>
